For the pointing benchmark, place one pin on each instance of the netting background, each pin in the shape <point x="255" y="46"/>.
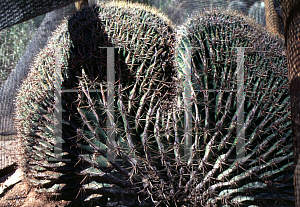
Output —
<point x="289" y="10"/>
<point x="16" y="11"/>
<point x="19" y="44"/>
<point x="26" y="25"/>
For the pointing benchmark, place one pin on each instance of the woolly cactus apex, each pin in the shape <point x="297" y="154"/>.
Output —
<point x="257" y="12"/>
<point x="144" y="94"/>
<point x="223" y="171"/>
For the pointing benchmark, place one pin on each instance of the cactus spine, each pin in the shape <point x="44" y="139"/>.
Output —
<point x="218" y="177"/>
<point x="144" y="70"/>
<point x="150" y="134"/>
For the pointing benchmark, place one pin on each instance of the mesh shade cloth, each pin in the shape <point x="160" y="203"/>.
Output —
<point x="9" y="88"/>
<point x="17" y="11"/>
<point x="272" y="18"/>
<point x="286" y="9"/>
<point x="290" y="10"/>
<point x="179" y="10"/>
<point x="277" y="6"/>
<point x="278" y="10"/>
<point x="293" y="48"/>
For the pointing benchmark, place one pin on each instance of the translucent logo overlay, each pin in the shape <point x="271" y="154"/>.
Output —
<point x="110" y="124"/>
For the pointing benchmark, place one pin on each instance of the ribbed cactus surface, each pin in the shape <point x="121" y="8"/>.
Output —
<point x="144" y="90"/>
<point x="225" y="173"/>
<point x="150" y="137"/>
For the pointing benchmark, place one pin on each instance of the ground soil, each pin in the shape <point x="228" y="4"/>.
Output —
<point x="23" y="195"/>
<point x="20" y="193"/>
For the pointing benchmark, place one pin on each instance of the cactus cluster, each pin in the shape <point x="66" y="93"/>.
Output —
<point x="257" y="12"/>
<point x="151" y="165"/>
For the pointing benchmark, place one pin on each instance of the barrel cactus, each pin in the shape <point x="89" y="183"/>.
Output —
<point x="224" y="173"/>
<point x="144" y="91"/>
<point x="257" y="12"/>
<point x="151" y="166"/>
